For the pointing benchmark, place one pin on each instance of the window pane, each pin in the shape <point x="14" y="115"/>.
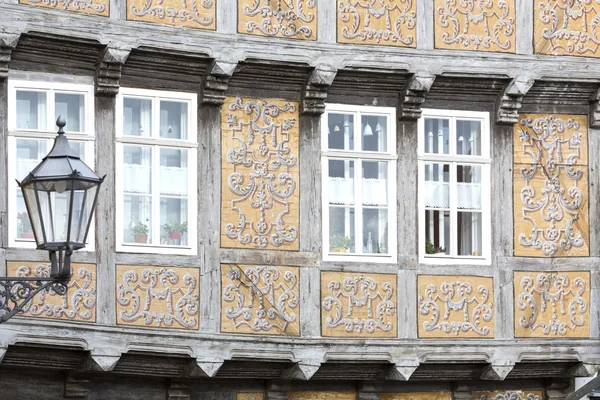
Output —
<point x="437" y="232"/>
<point x="468" y="138"/>
<point x="374" y="133"/>
<point x="137" y="169"/>
<point x="437" y="136"/>
<point x="29" y="154"/>
<point x="31" y="110"/>
<point x="71" y="107"/>
<point x="173" y="221"/>
<point x="137" y="117"/>
<point x="173" y="172"/>
<point x="341" y="229"/>
<point x="374" y="183"/>
<point x="437" y="185"/>
<point x="340" y="132"/>
<point x="138" y="219"/>
<point x="469" y="234"/>
<point x="375" y="231"/>
<point x="468" y="190"/>
<point x="341" y="182"/>
<point x="173" y="120"/>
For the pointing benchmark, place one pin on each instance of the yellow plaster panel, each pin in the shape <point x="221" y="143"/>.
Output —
<point x="158" y="296"/>
<point x="260" y="299"/>
<point x="260" y="194"/>
<point x="388" y="22"/>
<point x="322" y="396"/>
<point x="197" y="14"/>
<point x="416" y="396"/>
<point x="296" y="19"/>
<point x="552" y="304"/>
<point x="455" y="307"/>
<point x="551" y="186"/>
<point x="359" y="305"/>
<point x="250" y="396"/>
<point x="475" y="25"/>
<point x="566" y="27"/>
<point x="512" y="395"/>
<point x="95" y="7"/>
<point x="78" y="304"/>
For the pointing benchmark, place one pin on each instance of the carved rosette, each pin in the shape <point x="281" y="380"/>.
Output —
<point x="455" y="307"/>
<point x="77" y="304"/>
<point x="260" y="198"/>
<point x="567" y="27"/>
<point x="296" y="19"/>
<point x="158" y="296"/>
<point x="377" y="22"/>
<point x="193" y="14"/>
<point x="359" y="305"/>
<point x="484" y="25"/>
<point x="552" y="304"/>
<point x="512" y="395"/>
<point x="96" y="7"/>
<point x="551" y="186"/>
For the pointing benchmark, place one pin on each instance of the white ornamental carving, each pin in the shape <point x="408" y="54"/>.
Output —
<point x="187" y="12"/>
<point x="287" y="18"/>
<point x="75" y="5"/>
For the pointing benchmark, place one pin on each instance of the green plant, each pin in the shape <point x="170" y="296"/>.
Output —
<point x="431" y="249"/>
<point x="174" y="226"/>
<point x="339" y="242"/>
<point x="140" y="228"/>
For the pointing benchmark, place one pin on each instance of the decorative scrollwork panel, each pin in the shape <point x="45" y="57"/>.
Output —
<point x="416" y="396"/>
<point x="512" y="395"/>
<point x="77" y="304"/>
<point x="250" y="396"/>
<point x="359" y="305"/>
<point x="193" y="14"/>
<point x="260" y="174"/>
<point x="158" y="296"/>
<point x="551" y="186"/>
<point x="455" y="307"/>
<point x="377" y="22"/>
<point x="552" y="304"/>
<point x="96" y="7"/>
<point x="484" y="25"/>
<point x="567" y="27"/>
<point x="296" y="19"/>
<point x="322" y="396"/>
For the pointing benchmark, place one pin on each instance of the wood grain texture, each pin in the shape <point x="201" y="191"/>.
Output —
<point x="511" y="395"/>
<point x="416" y="396"/>
<point x="552" y="304"/>
<point x="475" y="25"/>
<point x="96" y="7"/>
<point x="78" y="304"/>
<point x="295" y="19"/>
<point x="199" y="14"/>
<point x="321" y="396"/>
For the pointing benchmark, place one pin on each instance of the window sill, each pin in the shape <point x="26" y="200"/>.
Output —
<point x="363" y="258"/>
<point x="154" y="249"/>
<point x="445" y="260"/>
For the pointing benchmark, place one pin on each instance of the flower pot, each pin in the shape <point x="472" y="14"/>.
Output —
<point x="175" y="235"/>
<point x="141" y="238"/>
<point x="27" y="235"/>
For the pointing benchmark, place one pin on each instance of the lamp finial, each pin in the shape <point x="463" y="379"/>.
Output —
<point x="60" y="122"/>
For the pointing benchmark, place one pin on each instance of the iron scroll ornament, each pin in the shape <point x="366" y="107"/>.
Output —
<point x="15" y="293"/>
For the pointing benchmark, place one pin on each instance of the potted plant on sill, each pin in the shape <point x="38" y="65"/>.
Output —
<point x="140" y="232"/>
<point x="431" y="249"/>
<point x="339" y="243"/>
<point x="175" y="229"/>
<point x="25" y="229"/>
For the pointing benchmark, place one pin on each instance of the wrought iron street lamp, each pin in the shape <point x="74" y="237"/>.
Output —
<point x="60" y="195"/>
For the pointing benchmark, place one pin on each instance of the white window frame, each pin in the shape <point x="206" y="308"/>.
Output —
<point x="87" y="137"/>
<point x="154" y="141"/>
<point x="358" y="155"/>
<point x="484" y="160"/>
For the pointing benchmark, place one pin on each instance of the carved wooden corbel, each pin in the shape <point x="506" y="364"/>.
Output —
<point x="595" y="110"/>
<point x="315" y="90"/>
<point x="108" y="71"/>
<point x="511" y="100"/>
<point x="414" y="96"/>
<point x="8" y="42"/>
<point x="215" y="82"/>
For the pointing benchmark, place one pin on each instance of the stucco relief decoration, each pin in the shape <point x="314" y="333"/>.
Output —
<point x="455" y="306"/>
<point x="249" y="396"/>
<point x="359" y="305"/>
<point x="552" y="304"/>
<point x="158" y="296"/>
<point x="295" y="19"/>
<point x="77" y="304"/>
<point x="389" y="22"/>
<point x="190" y="13"/>
<point x="96" y="7"/>
<point x="485" y="25"/>
<point x="260" y="199"/>
<point x="512" y="395"/>
<point x="551" y="186"/>
<point x="567" y="27"/>
<point x="260" y="299"/>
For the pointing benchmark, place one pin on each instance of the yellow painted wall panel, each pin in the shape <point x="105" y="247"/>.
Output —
<point x="512" y="395"/>
<point x="322" y="396"/>
<point x="260" y="196"/>
<point x="416" y="396"/>
<point x="295" y="19"/>
<point x="194" y="14"/>
<point x="552" y="304"/>
<point x="95" y="7"/>
<point x="250" y="396"/>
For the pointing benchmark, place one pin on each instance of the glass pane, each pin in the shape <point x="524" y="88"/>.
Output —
<point x="24" y="228"/>
<point x="137" y="169"/>
<point x="374" y="133"/>
<point x="340" y="132"/>
<point x="375" y="231"/>
<point x="374" y="183"/>
<point x="79" y="148"/>
<point x="35" y="215"/>
<point x="341" y="229"/>
<point x="54" y="211"/>
<point x="437" y="136"/>
<point x="138" y="218"/>
<point x="173" y="172"/>
<point x="173" y="119"/>
<point x="469" y="234"/>
<point x="468" y="138"/>
<point x="29" y="154"/>
<point x="173" y="221"/>
<point x="468" y="190"/>
<point x="437" y="232"/>
<point x="31" y="110"/>
<point x="341" y="182"/>
<point x="137" y="117"/>
<point x="84" y="201"/>
<point x="436" y="189"/>
<point x="71" y="107"/>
